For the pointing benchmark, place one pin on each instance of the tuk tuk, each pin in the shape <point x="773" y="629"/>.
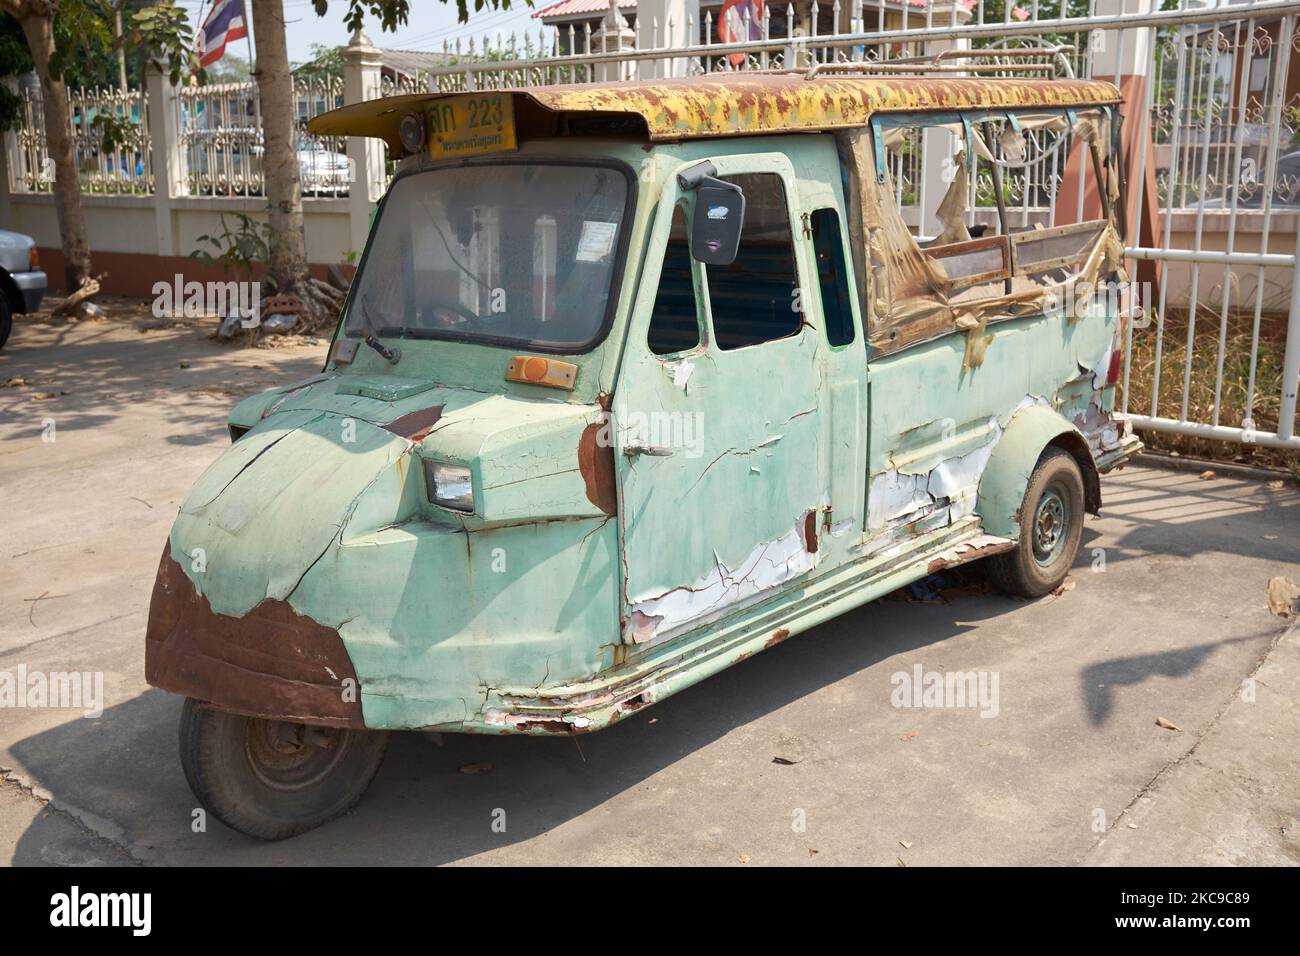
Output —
<point x="635" y="381"/>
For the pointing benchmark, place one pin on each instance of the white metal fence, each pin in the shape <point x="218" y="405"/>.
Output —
<point x="1215" y="90"/>
<point x="220" y="134"/>
<point x="111" y="144"/>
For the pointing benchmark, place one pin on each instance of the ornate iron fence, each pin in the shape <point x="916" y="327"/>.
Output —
<point x="111" y="144"/>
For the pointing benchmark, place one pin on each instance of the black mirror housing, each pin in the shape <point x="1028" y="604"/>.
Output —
<point x="719" y="217"/>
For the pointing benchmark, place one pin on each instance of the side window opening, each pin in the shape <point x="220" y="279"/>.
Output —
<point x="995" y="252"/>
<point x="674" y="323"/>
<point x="756" y="298"/>
<point x="832" y="276"/>
<point x="970" y="250"/>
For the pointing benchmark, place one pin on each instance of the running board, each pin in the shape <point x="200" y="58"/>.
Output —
<point x="706" y="650"/>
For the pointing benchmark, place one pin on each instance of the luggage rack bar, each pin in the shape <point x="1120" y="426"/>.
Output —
<point x="1041" y="61"/>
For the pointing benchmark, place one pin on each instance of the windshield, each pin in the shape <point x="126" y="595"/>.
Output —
<point x="508" y="253"/>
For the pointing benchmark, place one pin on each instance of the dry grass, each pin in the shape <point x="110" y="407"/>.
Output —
<point x="1201" y="394"/>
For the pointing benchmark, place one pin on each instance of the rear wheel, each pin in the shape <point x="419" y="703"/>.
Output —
<point x="1051" y="525"/>
<point x="273" y="779"/>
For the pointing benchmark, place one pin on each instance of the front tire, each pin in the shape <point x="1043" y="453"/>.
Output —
<point x="274" y="779"/>
<point x="1051" y="526"/>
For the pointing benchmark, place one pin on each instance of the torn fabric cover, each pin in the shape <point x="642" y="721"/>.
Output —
<point x="910" y="297"/>
<point x="952" y="210"/>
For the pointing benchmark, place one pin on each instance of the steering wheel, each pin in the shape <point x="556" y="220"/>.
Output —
<point x="450" y="305"/>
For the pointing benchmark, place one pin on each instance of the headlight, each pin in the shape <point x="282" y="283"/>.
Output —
<point x="410" y="130"/>
<point x="449" y="485"/>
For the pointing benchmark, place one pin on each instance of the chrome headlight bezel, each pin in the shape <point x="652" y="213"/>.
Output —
<point x="449" y="484"/>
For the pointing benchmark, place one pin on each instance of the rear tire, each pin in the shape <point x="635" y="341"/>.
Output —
<point x="273" y="779"/>
<point x="1051" y="525"/>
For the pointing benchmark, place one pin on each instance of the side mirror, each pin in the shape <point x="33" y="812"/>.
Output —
<point x="719" y="215"/>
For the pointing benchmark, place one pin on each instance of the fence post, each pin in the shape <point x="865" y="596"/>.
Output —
<point x="1291" y="359"/>
<point x="614" y="36"/>
<point x="168" y="156"/>
<point x="938" y="148"/>
<point x="664" y="24"/>
<point x="361" y="81"/>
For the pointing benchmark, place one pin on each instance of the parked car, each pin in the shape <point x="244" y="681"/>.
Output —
<point x="22" y="283"/>
<point x="1286" y="188"/>
<point x="322" y="172"/>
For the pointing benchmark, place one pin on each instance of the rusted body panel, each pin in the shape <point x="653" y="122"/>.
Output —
<point x="598" y="573"/>
<point x="271" y="662"/>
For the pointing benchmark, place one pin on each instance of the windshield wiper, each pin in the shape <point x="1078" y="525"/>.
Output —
<point x="393" y="355"/>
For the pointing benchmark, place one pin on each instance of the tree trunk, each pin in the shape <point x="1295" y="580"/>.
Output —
<point x="39" y="31"/>
<point x="288" y="265"/>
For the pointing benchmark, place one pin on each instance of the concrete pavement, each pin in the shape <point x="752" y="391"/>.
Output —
<point x="1166" y="619"/>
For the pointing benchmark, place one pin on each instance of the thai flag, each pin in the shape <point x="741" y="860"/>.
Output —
<point x="224" y="23"/>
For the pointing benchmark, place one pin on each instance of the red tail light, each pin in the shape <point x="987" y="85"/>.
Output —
<point x="1116" y="363"/>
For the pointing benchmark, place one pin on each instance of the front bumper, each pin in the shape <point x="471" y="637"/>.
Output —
<point x="32" y="285"/>
<point x="272" y="663"/>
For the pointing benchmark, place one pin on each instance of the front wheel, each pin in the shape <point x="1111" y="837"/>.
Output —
<point x="273" y="779"/>
<point x="1051" y="525"/>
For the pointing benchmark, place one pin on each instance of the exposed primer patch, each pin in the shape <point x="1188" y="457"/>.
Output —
<point x="896" y="498"/>
<point x="1104" y="431"/>
<point x="565" y="715"/>
<point x="299" y="389"/>
<point x="681" y="372"/>
<point x="1100" y="370"/>
<point x="529" y="723"/>
<point x="767" y="566"/>
<point x="841" y="528"/>
<point x="980" y="546"/>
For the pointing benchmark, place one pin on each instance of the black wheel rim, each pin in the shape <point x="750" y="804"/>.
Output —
<point x="292" y="757"/>
<point x="1051" y="524"/>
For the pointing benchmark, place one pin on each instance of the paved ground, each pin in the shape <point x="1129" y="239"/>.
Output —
<point x="1166" y="619"/>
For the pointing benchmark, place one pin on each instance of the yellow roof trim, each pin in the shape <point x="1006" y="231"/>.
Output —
<point x="746" y="104"/>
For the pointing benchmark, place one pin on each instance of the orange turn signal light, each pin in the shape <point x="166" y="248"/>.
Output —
<point x="536" y="370"/>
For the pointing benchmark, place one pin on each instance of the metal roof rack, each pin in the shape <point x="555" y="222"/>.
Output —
<point x="1042" y="61"/>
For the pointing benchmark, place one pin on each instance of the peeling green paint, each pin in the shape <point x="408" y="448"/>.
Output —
<point x="590" y="582"/>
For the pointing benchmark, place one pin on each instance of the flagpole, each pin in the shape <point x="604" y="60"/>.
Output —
<point x="194" y="68"/>
<point x="252" y="71"/>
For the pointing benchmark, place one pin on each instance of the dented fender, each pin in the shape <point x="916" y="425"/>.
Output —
<point x="1005" y="478"/>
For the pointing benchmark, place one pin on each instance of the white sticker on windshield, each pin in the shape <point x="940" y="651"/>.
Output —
<point x="596" y="242"/>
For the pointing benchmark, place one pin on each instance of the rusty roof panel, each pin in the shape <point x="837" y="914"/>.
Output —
<point x="747" y="104"/>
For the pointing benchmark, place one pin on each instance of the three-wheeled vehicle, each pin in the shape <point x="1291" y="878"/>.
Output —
<point x="633" y="382"/>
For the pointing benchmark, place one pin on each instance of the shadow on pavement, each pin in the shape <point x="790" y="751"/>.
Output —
<point x="421" y="809"/>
